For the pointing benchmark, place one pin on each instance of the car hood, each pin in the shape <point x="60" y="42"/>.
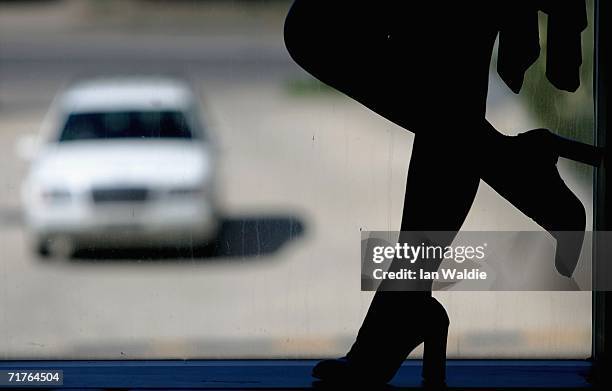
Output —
<point x="122" y="163"/>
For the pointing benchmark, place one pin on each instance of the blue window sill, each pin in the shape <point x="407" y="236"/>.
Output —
<point x="295" y="374"/>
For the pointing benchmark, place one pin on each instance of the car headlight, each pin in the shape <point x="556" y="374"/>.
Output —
<point x="55" y="195"/>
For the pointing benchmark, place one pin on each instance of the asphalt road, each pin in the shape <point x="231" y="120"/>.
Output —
<point x="304" y="171"/>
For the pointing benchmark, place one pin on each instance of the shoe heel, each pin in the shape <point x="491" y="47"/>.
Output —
<point x="434" y="359"/>
<point x="434" y="348"/>
<point x="577" y="151"/>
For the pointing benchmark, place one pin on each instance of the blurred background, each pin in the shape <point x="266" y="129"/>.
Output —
<point x="299" y="170"/>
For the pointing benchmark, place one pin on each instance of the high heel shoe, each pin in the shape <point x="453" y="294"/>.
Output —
<point x="374" y="359"/>
<point x="523" y="170"/>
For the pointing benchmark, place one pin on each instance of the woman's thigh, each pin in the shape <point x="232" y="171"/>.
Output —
<point x="394" y="60"/>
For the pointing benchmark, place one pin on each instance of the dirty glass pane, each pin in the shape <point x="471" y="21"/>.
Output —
<point x="288" y="174"/>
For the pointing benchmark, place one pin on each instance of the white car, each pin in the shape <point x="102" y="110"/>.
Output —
<point x="122" y="162"/>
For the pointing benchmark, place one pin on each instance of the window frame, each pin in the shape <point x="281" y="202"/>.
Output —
<point x="219" y="374"/>
<point x="602" y="301"/>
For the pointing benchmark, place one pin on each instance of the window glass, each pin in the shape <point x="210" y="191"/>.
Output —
<point x="297" y="171"/>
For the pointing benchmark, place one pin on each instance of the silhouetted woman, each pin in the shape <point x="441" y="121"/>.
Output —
<point x="425" y="65"/>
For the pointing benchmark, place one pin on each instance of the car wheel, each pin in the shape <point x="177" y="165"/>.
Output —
<point x="42" y="249"/>
<point x="208" y="248"/>
<point x="60" y="247"/>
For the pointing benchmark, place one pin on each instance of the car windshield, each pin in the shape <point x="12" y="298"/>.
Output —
<point x="126" y="124"/>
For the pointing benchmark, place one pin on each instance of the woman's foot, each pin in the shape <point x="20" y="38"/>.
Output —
<point x="334" y="370"/>
<point x="523" y="170"/>
<point x="373" y="361"/>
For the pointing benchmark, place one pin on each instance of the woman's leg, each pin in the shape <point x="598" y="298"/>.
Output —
<point x="411" y="65"/>
<point x="440" y="188"/>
